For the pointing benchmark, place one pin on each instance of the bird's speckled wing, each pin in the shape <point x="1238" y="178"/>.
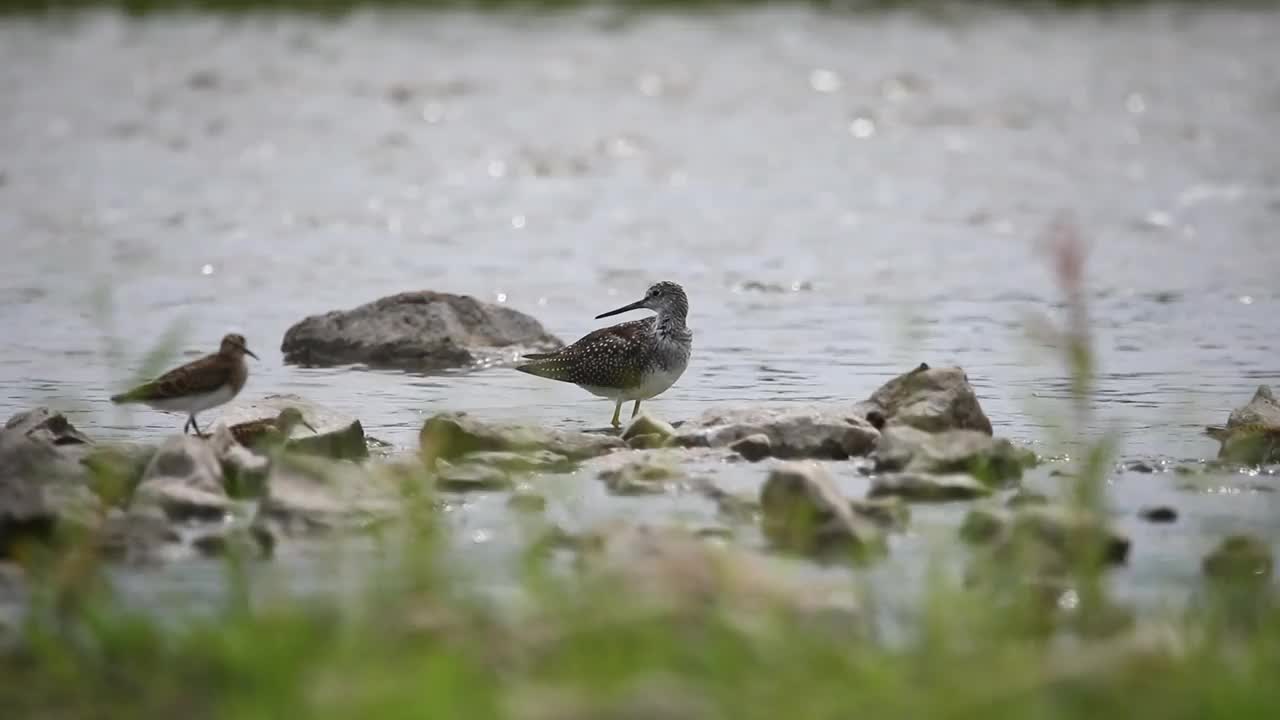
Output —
<point x="249" y="432"/>
<point x="205" y="375"/>
<point x="615" y="357"/>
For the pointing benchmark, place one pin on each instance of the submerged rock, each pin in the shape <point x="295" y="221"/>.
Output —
<point x="753" y="447"/>
<point x="453" y="435"/>
<point x="525" y="501"/>
<point x="1252" y="433"/>
<point x="673" y="570"/>
<point x="337" y="435"/>
<point x="889" y="513"/>
<point x="415" y="330"/>
<point x="994" y="461"/>
<point x="803" y="511"/>
<point x="983" y="524"/>
<point x="1240" y="557"/>
<point x="1074" y="534"/>
<point x="921" y="487"/>
<point x="470" y="477"/>
<point x="793" y="432"/>
<point x="929" y="399"/>
<point x="138" y="538"/>
<point x="184" y="480"/>
<point x="307" y="493"/>
<point x="253" y="540"/>
<point x="1158" y="514"/>
<point x="537" y="461"/>
<point x="642" y="474"/>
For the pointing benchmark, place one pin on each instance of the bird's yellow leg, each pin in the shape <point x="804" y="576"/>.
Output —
<point x="635" y="409"/>
<point x="617" y="408"/>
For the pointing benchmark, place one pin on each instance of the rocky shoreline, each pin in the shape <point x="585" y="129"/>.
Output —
<point x="921" y="439"/>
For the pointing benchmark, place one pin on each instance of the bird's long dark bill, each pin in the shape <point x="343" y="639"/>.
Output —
<point x="249" y="352"/>
<point x="625" y="308"/>
<point x="308" y="426"/>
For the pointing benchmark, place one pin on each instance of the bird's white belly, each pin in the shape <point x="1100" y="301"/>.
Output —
<point x="654" y="383"/>
<point x="192" y="404"/>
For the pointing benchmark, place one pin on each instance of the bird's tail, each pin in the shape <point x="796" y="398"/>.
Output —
<point x="545" y="365"/>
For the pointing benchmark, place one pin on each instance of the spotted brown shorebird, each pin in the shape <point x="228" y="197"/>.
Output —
<point x="631" y="361"/>
<point x="197" y="386"/>
<point x="269" y="431"/>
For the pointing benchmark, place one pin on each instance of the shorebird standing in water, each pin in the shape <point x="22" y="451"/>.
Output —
<point x="197" y="386"/>
<point x="634" y="360"/>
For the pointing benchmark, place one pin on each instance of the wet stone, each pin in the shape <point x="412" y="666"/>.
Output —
<point x="527" y="502"/>
<point x="753" y="447"/>
<point x="1026" y="498"/>
<point x="642" y="476"/>
<point x="471" y="477"/>
<point x="1158" y="514"/>
<point x="921" y="487"/>
<point x="1239" y="557"/>
<point x="449" y="436"/>
<point x="803" y="511"/>
<point x="928" y="399"/>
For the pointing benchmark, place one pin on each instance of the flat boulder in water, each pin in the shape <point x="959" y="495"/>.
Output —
<point x="421" y="330"/>
<point x="449" y="436"/>
<point x="793" y="432"/>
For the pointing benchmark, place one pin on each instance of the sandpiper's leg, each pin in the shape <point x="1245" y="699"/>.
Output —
<point x="186" y="425"/>
<point x="616" y="409"/>
<point x="194" y="426"/>
<point x="635" y="408"/>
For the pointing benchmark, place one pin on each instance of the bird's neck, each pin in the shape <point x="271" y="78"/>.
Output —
<point x="669" y="325"/>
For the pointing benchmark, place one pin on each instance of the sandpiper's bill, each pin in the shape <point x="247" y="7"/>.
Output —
<point x="635" y="360"/>
<point x="197" y="386"/>
<point x="269" y="431"/>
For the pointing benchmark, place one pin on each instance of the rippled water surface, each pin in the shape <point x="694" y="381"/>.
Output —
<point x="842" y="197"/>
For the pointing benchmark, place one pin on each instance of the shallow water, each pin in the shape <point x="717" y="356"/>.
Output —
<point x="842" y="197"/>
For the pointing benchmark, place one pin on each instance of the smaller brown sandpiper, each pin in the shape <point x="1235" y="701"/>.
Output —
<point x="269" y="431"/>
<point x="197" y="386"/>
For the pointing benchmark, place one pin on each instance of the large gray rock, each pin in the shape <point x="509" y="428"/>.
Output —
<point x="802" y="510"/>
<point x="184" y="480"/>
<point x="449" y="436"/>
<point x="1056" y="536"/>
<point x="1252" y="434"/>
<point x="336" y="435"/>
<point x="994" y="461"/>
<point x="930" y="399"/>
<point x="793" y="432"/>
<point x="415" y="330"/>
<point x="41" y="476"/>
